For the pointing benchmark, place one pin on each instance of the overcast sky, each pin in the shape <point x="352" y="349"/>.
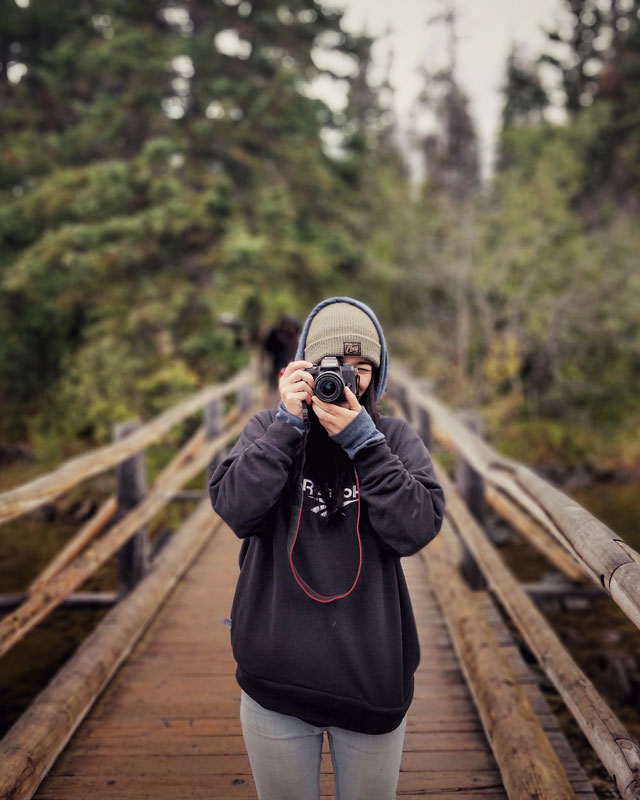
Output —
<point x="486" y="31"/>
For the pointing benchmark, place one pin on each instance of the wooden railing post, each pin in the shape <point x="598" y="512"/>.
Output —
<point x="400" y="394"/>
<point x="213" y="419"/>
<point x="423" y="425"/>
<point x="131" y="487"/>
<point x="245" y="397"/>
<point x="422" y="418"/>
<point x="470" y="484"/>
<point x="213" y="426"/>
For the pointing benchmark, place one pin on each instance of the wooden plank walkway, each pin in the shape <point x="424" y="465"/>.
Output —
<point x="167" y="726"/>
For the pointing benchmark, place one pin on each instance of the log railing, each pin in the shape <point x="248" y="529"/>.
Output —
<point x="46" y="488"/>
<point x="576" y="542"/>
<point x="39" y="735"/>
<point x="601" y="554"/>
<point x="528" y="763"/>
<point x="83" y="555"/>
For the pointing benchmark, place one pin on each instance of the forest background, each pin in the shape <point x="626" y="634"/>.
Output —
<point x="171" y="186"/>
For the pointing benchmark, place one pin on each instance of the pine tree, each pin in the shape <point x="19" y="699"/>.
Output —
<point x="525" y="98"/>
<point x="618" y="148"/>
<point x="163" y="165"/>
<point x="598" y="63"/>
<point x="581" y="51"/>
<point x="450" y="149"/>
<point x="525" y="101"/>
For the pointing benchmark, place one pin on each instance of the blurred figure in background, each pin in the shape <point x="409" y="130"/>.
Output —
<point x="280" y="345"/>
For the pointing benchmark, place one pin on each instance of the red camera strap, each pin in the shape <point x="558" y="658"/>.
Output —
<point x="293" y="538"/>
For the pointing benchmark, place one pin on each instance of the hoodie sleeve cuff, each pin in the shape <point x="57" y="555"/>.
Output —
<point x="285" y="416"/>
<point x="359" y="433"/>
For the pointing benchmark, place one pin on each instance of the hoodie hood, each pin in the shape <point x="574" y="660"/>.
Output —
<point x="383" y="369"/>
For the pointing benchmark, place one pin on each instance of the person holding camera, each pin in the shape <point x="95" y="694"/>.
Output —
<point x="327" y="496"/>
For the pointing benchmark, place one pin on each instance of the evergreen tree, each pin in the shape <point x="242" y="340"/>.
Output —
<point x="598" y="63"/>
<point x="163" y="165"/>
<point x="449" y="149"/>
<point x="617" y="151"/>
<point x="582" y="50"/>
<point x="525" y="98"/>
<point x="525" y="101"/>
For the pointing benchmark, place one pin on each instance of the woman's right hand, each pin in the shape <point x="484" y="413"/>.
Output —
<point x="296" y="386"/>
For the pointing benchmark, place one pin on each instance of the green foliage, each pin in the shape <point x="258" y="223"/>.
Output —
<point x="523" y="301"/>
<point x="164" y="198"/>
<point x="154" y="181"/>
<point x="588" y="22"/>
<point x="599" y="67"/>
<point x="525" y="98"/>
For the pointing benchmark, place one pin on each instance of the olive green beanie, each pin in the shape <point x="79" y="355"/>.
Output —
<point x="342" y="329"/>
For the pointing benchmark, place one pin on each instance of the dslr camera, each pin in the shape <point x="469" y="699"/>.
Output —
<point x="331" y="377"/>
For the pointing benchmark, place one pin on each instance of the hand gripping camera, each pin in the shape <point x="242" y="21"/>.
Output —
<point x="331" y="377"/>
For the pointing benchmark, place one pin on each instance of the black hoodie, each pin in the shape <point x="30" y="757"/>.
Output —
<point x="346" y="662"/>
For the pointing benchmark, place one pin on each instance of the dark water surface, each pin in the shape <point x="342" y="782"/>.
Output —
<point x="26" y="547"/>
<point x="616" y="504"/>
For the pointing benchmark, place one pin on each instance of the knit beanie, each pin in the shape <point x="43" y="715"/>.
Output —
<point x="342" y="329"/>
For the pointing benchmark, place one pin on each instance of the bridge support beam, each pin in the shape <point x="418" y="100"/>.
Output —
<point x="470" y="485"/>
<point x="131" y="488"/>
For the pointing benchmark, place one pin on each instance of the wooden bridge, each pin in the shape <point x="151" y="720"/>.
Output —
<point x="148" y="704"/>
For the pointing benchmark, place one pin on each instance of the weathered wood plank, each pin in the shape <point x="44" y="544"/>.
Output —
<point x="603" y="555"/>
<point x="168" y="724"/>
<point x="557" y="555"/>
<point x="14" y="626"/>
<point x="191" y="763"/>
<point x="31" y="495"/>
<point x="617" y="750"/>
<point x="29" y="748"/>
<point x="528" y="763"/>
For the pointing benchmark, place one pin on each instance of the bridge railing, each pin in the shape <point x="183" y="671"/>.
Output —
<point x="573" y="539"/>
<point x="535" y="506"/>
<point x="25" y="498"/>
<point x="77" y="562"/>
<point x="38" y="736"/>
<point x="552" y="521"/>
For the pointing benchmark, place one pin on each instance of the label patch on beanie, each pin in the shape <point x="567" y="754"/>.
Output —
<point x="352" y="349"/>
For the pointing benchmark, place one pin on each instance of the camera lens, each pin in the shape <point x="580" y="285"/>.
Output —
<point x="329" y="388"/>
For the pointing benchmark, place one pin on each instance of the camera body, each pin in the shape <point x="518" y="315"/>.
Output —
<point x="331" y="377"/>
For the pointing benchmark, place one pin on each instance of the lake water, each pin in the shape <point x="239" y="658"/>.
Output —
<point x="26" y="547"/>
<point x="617" y="504"/>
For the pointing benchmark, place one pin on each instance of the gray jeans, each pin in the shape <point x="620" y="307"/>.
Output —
<point x="285" y="755"/>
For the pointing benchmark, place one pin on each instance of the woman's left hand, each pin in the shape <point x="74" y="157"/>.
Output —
<point x="334" y="417"/>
